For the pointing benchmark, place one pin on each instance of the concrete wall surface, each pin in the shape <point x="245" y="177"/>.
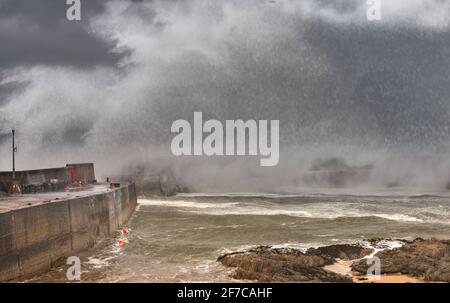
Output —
<point x="36" y="175"/>
<point x="35" y="238"/>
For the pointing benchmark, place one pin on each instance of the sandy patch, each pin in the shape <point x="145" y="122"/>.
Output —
<point x="343" y="267"/>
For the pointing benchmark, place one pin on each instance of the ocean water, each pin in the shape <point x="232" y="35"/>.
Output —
<point x="179" y="238"/>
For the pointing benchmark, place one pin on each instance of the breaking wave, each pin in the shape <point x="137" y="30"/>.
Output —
<point x="411" y="212"/>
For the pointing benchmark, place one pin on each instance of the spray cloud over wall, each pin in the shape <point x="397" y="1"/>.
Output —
<point x="342" y="87"/>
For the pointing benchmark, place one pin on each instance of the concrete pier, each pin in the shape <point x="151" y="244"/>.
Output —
<point x="38" y="231"/>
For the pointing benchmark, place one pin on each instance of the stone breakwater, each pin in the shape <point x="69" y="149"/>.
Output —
<point x="428" y="260"/>
<point x="35" y="238"/>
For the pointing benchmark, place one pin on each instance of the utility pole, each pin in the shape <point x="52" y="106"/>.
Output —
<point x="14" y="150"/>
<point x="15" y="186"/>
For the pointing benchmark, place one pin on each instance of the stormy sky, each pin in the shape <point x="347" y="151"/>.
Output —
<point x="108" y="87"/>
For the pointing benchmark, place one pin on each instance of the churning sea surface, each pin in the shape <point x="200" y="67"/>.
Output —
<point x="178" y="239"/>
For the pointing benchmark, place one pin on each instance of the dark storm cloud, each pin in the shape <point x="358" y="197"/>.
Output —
<point x="37" y="32"/>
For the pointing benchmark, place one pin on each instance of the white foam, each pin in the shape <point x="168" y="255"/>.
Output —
<point x="184" y="204"/>
<point x="97" y="262"/>
<point x="381" y="245"/>
<point x="303" y="247"/>
<point x="319" y="210"/>
<point x="398" y="217"/>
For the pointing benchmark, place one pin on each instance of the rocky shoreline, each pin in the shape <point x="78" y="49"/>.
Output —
<point x="425" y="260"/>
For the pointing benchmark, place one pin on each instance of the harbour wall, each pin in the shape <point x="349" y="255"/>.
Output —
<point x="34" y="239"/>
<point x="70" y="173"/>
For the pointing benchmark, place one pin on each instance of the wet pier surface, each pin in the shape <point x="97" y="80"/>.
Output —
<point x="10" y="202"/>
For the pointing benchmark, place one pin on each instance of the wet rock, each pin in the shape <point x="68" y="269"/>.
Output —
<point x="341" y="251"/>
<point x="425" y="259"/>
<point x="264" y="264"/>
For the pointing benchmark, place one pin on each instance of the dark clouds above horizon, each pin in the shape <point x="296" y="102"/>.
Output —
<point x="37" y="32"/>
<point x="318" y="66"/>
